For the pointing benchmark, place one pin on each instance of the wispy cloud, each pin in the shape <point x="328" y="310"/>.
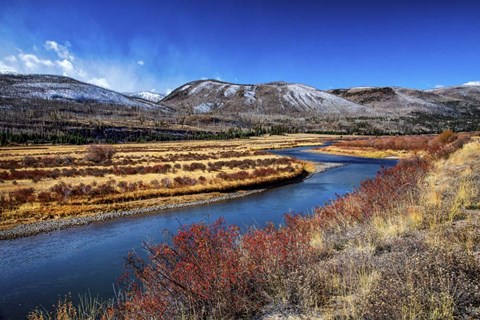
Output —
<point x="61" y="50"/>
<point x="101" y="82"/>
<point x="140" y="62"/>
<point x="32" y="62"/>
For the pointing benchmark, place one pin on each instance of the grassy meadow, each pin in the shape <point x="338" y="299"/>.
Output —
<point x="393" y="146"/>
<point x="40" y="183"/>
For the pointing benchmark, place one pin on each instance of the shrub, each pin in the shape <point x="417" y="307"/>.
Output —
<point x="29" y="161"/>
<point x="99" y="153"/>
<point x="21" y="196"/>
<point x="200" y="274"/>
<point x="45" y="196"/>
<point x="425" y="283"/>
<point x="446" y="136"/>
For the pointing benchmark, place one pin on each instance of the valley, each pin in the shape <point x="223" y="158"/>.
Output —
<point x="54" y="109"/>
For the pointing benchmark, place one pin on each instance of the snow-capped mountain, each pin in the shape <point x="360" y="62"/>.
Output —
<point x="211" y="96"/>
<point x="229" y="99"/>
<point x="147" y="95"/>
<point x="51" y="87"/>
<point x="402" y="101"/>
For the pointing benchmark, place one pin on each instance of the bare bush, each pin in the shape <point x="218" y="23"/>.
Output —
<point x="100" y="153"/>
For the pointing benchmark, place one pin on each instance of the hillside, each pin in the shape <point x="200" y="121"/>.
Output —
<point x="275" y="98"/>
<point x="57" y="109"/>
<point x="463" y="100"/>
<point x="59" y="88"/>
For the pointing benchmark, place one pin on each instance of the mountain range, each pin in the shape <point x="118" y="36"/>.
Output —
<point x="215" y="106"/>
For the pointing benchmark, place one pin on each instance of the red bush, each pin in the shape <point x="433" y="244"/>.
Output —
<point x="377" y="195"/>
<point x="201" y="271"/>
<point x="21" y="196"/>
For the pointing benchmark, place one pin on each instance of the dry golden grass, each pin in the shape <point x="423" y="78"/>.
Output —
<point x="405" y="253"/>
<point x="138" y="189"/>
<point x="453" y="186"/>
<point x="365" y="152"/>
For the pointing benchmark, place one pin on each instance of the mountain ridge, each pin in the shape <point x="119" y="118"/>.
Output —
<point x="50" y="108"/>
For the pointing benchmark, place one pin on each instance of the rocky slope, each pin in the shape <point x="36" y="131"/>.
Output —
<point x="50" y="87"/>
<point x="402" y="101"/>
<point x="210" y="96"/>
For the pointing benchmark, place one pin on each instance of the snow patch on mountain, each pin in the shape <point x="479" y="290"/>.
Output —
<point x="148" y="95"/>
<point x="62" y="88"/>
<point x="204" y="107"/>
<point x="249" y="94"/>
<point x="308" y="98"/>
<point x="207" y="85"/>
<point x="231" y="91"/>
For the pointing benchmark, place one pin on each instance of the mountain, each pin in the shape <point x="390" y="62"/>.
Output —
<point x="147" y="96"/>
<point x="57" y="109"/>
<point x="403" y="101"/>
<point x="275" y="98"/>
<point x="59" y="88"/>
<point x="465" y="98"/>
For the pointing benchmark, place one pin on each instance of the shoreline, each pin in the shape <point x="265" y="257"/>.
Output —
<point x="31" y="229"/>
<point x="359" y="155"/>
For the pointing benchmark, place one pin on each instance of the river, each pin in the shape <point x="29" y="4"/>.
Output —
<point x="38" y="270"/>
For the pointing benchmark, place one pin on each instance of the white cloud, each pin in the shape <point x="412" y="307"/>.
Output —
<point x="140" y="62"/>
<point x="7" y="69"/>
<point x="66" y="66"/>
<point x="31" y="61"/>
<point x="101" y="82"/>
<point x="168" y="91"/>
<point x="472" y="83"/>
<point x="11" y="59"/>
<point x="116" y="73"/>
<point x="439" y="86"/>
<point x="61" y="51"/>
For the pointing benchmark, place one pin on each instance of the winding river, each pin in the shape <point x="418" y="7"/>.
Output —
<point x="38" y="270"/>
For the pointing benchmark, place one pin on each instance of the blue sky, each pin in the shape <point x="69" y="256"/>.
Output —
<point x="159" y="45"/>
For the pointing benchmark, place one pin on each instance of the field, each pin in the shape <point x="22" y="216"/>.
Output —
<point x="41" y="183"/>
<point x="410" y="235"/>
<point x="393" y="146"/>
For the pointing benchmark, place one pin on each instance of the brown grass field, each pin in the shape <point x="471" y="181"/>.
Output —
<point x="40" y="183"/>
<point x="400" y="147"/>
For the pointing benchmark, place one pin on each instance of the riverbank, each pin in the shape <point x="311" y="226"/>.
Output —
<point x="410" y="234"/>
<point x="364" y="152"/>
<point x="35" y="228"/>
<point x="51" y="183"/>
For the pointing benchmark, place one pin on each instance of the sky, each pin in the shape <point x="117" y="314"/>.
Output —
<point x="139" y="45"/>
